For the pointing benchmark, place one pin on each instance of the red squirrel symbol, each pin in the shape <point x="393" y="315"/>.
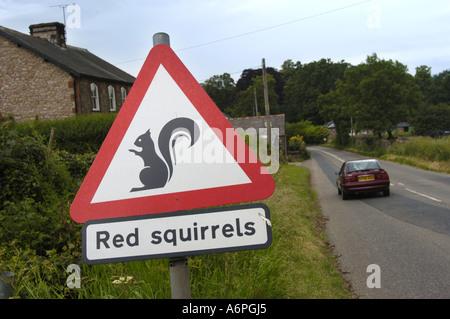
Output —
<point x="157" y="170"/>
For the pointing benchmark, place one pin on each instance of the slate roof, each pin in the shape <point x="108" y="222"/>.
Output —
<point x="77" y="61"/>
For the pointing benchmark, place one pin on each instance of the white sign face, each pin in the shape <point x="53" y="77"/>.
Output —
<point x="207" y="164"/>
<point x="169" y="149"/>
<point x="184" y="233"/>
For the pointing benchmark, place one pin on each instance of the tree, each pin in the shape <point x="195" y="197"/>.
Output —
<point x="288" y="69"/>
<point x="245" y="100"/>
<point x="425" y="81"/>
<point x="442" y="87"/>
<point x="304" y="84"/>
<point x="332" y="108"/>
<point x="247" y="76"/>
<point x="431" y="118"/>
<point x="222" y="90"/>
<point x="378" y="94"/>
<point x="434" y="114"/>
<point x="312" y="134"/>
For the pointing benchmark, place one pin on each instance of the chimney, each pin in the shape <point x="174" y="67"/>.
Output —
<point x="53" y="32"/>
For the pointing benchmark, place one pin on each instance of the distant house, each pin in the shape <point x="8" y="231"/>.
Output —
<point x="41" y="76"/>
<point x="403" y="127"/>
<point x="332" y="127"/>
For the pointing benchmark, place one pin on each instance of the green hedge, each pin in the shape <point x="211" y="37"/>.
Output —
<point x="312" y="134"/>
<point x="77" y="135"/>
<point x="36" y="189"/>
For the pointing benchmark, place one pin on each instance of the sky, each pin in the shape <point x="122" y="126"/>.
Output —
<point x="212" y="37"/>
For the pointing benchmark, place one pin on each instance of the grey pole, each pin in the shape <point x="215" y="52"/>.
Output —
<point x="161" y="38"/>
<point x="6" y="284"/>
<point x="266" y="102"/>
<point x="179" y="278"/>
<point x="179" y="269"/>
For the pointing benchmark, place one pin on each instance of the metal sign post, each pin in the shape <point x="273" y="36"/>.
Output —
<point x="179" y="278"/>
<point x="179" y="269"/>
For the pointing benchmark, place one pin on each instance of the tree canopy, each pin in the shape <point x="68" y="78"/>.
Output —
<point x="374" y="95"/>
<point x="304" y="84"/>
<point x="377" y="94"/>
<point x="221" y="89"/>
<point x="245" y="100"/>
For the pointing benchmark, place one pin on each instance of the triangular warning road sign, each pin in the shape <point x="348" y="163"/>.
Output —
<point x="169" y="149"/>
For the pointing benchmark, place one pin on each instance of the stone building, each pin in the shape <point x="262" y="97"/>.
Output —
<point x="258" y="125"/>
<point x="41" y="76"/>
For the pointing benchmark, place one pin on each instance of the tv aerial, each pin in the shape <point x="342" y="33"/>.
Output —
<point x="63" y="6"/>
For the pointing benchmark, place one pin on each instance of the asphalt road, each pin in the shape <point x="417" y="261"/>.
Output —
<point x="407" y="235"/>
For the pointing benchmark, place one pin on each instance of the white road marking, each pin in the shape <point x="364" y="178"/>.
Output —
<point x="332" y="155"/>
<point x="401" y="184"/>
<point x="429" y="197"/>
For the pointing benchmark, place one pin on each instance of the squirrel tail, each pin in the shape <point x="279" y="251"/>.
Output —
<point x="171" y="131"/>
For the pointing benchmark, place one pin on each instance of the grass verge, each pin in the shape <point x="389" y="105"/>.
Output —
<point x="422" y="152"/>
<point x="298" y="265"/>
<point x="426" y="153"/>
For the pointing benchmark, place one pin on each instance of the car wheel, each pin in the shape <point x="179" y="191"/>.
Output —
<point x="345" y="196"/>
<point x="386" y="192"/>
<point x="339" y="191"/>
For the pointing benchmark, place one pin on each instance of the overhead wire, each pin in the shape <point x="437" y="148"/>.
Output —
<point x="261" y="30"/>
<point x="274" y="26"/>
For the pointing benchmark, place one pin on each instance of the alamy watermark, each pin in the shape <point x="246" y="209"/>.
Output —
<point x="207" y="151"/>
<point x="374" y="19"/>
<point x="73" y="19"/>
<point x="374" y="279"/>
<point x="74" y="278"/>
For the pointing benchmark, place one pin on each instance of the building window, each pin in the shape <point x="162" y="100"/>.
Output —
<point x="112" y="98"/>
<point x="95" y="97"/>
<point x="124" y="94"/>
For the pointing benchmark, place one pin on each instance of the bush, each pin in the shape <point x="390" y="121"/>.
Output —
<point x="298" y="147"/>
<point x="39" y="276"/>
<point x="431" y="118"/>
<point x="76" y="135"/>
<point x="77" y="164"/>
<point x="35" y="190"/>
<point x="312" y="134"/>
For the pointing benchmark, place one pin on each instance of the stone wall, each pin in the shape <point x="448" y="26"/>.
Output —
<point x="31" y="87"/>
<point x="259" y="122"/>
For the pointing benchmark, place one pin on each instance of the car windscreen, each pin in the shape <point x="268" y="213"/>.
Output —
<point x="362" y="166"/>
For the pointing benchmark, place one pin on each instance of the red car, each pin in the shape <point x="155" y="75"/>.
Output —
<point x="362" y="176"/>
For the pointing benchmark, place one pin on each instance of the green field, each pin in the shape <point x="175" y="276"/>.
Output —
<point x="422" y="152"/>
<point x="418" y="151"/>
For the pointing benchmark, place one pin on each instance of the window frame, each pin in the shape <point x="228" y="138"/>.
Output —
<point x="95" y="97"/>
<point x="123" y="92"/>
<point x="112" y="98"/>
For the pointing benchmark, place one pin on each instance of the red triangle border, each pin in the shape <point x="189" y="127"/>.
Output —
<point x="82" y="210"/>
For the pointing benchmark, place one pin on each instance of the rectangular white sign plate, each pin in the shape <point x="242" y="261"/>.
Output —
<point x="176" y="234"/>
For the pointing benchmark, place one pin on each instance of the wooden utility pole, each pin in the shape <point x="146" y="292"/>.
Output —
<point x="266" y="103"/>
<point x="51" y="140"/>
<point x="256" y="101"/>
